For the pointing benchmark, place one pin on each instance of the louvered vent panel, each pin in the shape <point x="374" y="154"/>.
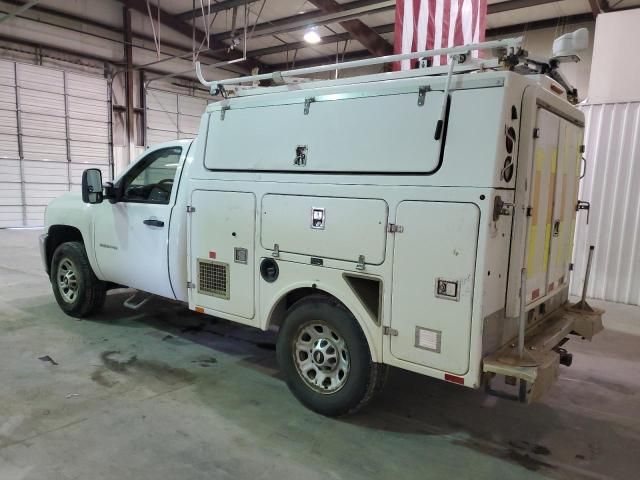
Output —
<point x="213" y="278"/>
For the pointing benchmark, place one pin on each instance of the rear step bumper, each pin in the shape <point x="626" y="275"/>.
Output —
<point x="531" y="376"/>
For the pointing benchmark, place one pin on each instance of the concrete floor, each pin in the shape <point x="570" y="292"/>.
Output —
<point x="167" y="394"/>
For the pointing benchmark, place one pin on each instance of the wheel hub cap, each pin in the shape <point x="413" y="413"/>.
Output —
<point x="321" y="357"/>
<point x="67" y="280"/>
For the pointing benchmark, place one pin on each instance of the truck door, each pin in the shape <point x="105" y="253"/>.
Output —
<point x="434" y="262"/>
<point x="552" y="201"/>
<point x="131" y="236"/>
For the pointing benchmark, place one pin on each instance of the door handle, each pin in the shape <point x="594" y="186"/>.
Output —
<point x="153" y="223"/>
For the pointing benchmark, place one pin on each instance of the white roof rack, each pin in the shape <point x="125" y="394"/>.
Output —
<point x="512" y="45"/>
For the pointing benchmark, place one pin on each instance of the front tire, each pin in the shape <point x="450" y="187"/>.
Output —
<point x="78" y="291"/>
<point x="325" y="357"/>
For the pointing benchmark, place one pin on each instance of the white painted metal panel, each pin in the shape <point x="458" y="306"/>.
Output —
<point x="188" y="125"/>
<point x="10" y="194"/>
<point x="7" y="73"/>
<point x="8" y="124"/>
<point x="86" y="86"/>
<point x="159" y="136"/>
<point x="8" y="146"/>
<point x="47" y="118"/>
<point x="76" y="169"/>
<point x="8" y="97"/>
<point x="35" y="215"/>
<point x="193" y="106"/>
<point x="88" y="109"/>
<point x="88" y="131"/>
<point x="40" y="194"/>
<point x="9" y="170"/>
<point x="439" y="241"/>
<point x="612" y="139"/>
<point x="160" y="120"/>
<point x="287" y="220"/>
<point x="225" y="221"/>
<point x="37" y="148"/>
<point x="43" y="103"/>
<point x="41" y="79"/>
<point x="45" y="172"/>
<point x="10" y="216"/>
<point x="364" y="134"/>
<point x="162" y="101"/>
<point x="43" y="126"/>
<point x="89" y="152"/>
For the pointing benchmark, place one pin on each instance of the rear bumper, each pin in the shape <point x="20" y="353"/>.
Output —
<point x="536" y="371"/>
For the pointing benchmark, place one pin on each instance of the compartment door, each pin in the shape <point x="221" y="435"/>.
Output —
<point x="564" y="206"/>
<point x="544" y="168"/>
<point x="221" y="252"/>
<point x="433" y="274"/>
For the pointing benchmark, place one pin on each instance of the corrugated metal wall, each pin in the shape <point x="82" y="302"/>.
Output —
<point x="53" y="125"/>
<point x="172" y="115"/>
<point x="612" y="185"/>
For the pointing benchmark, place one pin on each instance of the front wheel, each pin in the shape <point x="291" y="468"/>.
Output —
<point x="78" y="291"/>
<point x="325" y="357"/>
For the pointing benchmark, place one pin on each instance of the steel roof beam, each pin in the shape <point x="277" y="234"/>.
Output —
<point x="294" y="23"/>
<point x="360" y="31"/>
<point x="339" y="37"/>
<point x="215" y="8"/>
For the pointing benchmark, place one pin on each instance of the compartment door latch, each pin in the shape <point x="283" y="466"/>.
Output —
<point x="582" y="205"/>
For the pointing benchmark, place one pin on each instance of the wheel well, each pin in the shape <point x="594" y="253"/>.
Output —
<point x="57" y="235"/>
<point x="280" y="310"/>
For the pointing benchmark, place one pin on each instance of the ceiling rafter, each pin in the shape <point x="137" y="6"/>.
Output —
<point x="315" y="18"/>
<point x="338" y="37"/>
<point x="492" y="32"/>
<point x="185" y="28"/>
<point x="214" y="8"/>
<point x="360" y="31"/>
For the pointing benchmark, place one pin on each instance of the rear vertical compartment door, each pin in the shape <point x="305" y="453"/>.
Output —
<point x="433" y="275"/>
<point x="564" y="207"/>
<point x="544" y="165"/>
<point x="552" y="201"/>
<point x="221" y="251"/>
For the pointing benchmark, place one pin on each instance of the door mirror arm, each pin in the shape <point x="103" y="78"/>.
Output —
<point x="111" y="192"/>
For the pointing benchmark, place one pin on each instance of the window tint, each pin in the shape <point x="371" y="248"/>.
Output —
<point x="151" y="180"/>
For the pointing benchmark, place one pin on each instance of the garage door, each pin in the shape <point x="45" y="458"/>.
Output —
<point x="171" y="115"/>
<point x="53" y="125"/>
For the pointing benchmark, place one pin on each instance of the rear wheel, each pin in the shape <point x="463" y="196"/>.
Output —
<point x="325" y="357"/>
<point x="78" y="291"/>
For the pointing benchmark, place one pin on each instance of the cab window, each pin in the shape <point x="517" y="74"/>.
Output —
<point x="151" y="180"/>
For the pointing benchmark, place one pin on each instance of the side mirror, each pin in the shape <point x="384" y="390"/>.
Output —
<point x="92" y="186"/>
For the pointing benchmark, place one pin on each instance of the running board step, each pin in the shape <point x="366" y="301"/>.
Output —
<point x="137" y="300"/>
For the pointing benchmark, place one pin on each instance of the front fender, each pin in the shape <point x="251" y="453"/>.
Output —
<point x="70" y="210"/>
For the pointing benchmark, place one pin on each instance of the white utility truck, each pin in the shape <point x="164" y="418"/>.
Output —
<point x="421" y="219"/>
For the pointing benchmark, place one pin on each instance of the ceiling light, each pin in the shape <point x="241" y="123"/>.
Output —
<point x="312" y="36"/>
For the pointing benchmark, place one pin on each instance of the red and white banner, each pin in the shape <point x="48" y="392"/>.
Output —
<point x="432" y="24"/>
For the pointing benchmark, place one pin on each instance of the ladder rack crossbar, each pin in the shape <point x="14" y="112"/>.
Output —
<point x="511" y="43"/>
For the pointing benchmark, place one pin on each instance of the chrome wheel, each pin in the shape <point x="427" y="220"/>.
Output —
<point x="321" y="357"/>
<point x="67" y="280"/>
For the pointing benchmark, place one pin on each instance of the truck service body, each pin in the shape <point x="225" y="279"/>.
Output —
<point x="352" y="200"/>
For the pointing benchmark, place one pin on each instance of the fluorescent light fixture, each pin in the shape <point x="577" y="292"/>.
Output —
<point x="312" y="36"/>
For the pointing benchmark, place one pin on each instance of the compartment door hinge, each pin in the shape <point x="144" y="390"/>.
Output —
<point x="190" y="285"/>
<point x="422" y="93"/>
<point x="392" y="332"/>
<point x="190" y="209"/>
<point x="393" y="228"/>
<point x="307" y="104"/>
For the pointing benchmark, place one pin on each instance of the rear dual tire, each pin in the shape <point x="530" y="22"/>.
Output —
<point x="78" y="291"/>
<point x="325" y="357"/>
